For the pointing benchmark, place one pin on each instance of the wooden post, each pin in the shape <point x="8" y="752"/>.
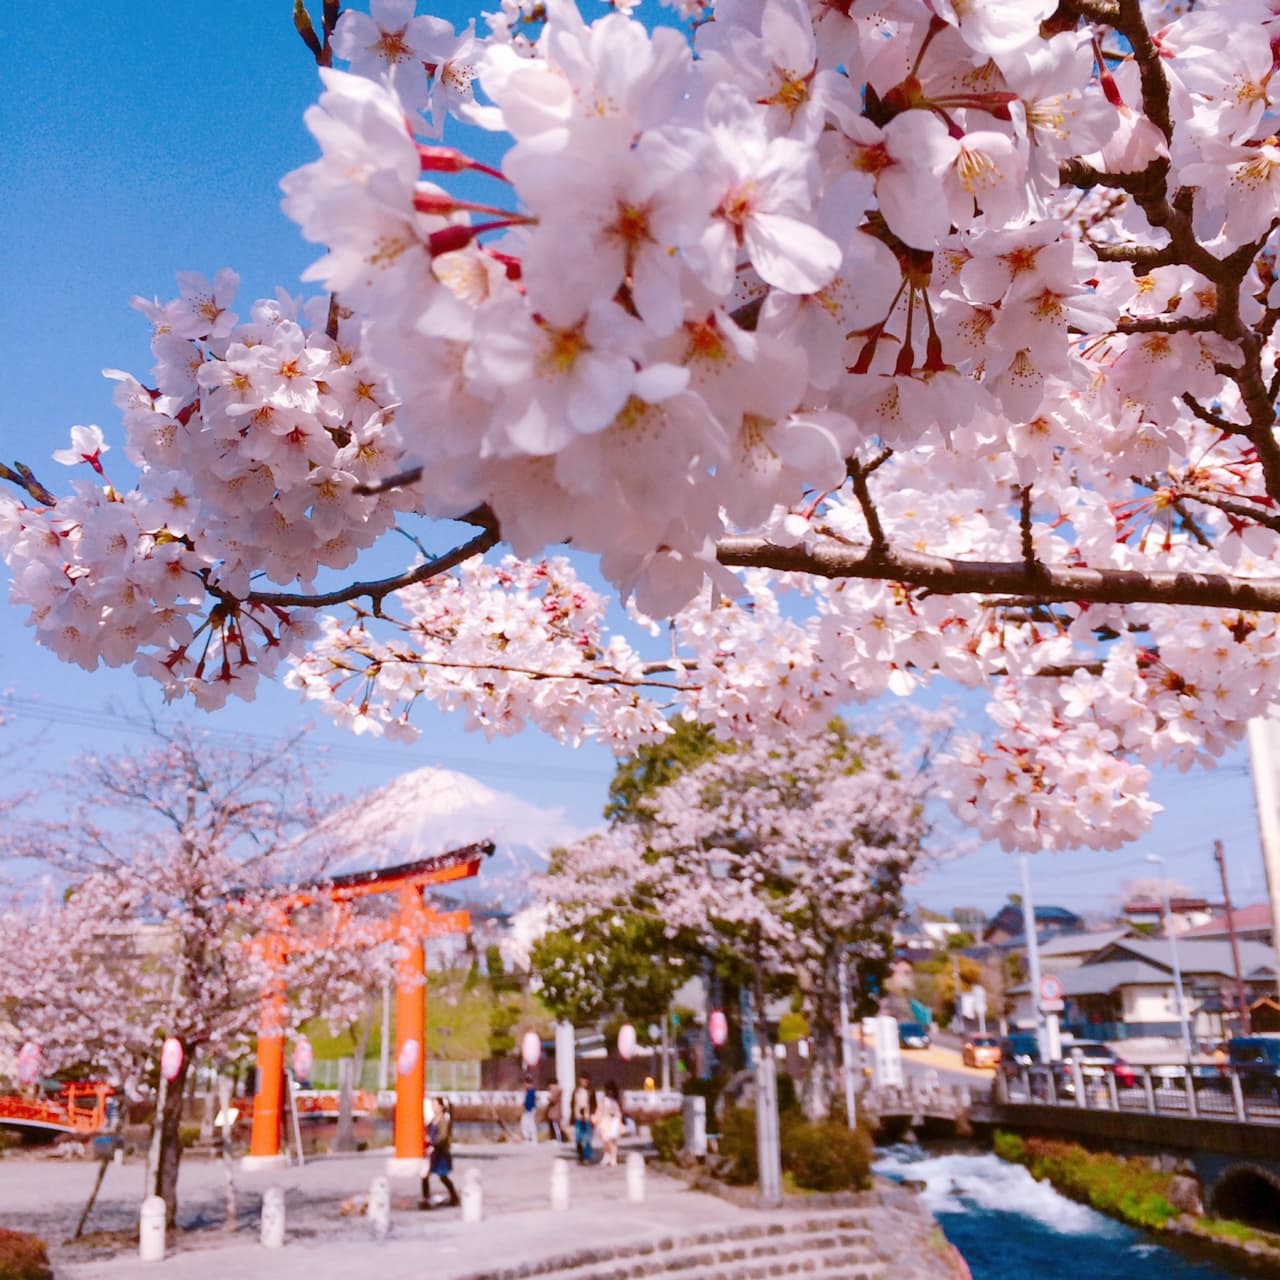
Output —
<point x="1242" y="1000"/>
<point x="410" y="1027"/>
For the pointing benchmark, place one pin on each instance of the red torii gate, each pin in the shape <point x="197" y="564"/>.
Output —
<point x="412" y="923"/>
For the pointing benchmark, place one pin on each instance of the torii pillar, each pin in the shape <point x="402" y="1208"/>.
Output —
<point x="264" y="1142"/>
<point x="411" y="1025"/>
<point x="413" y="922"/>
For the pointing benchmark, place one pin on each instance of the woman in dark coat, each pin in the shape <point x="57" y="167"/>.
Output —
<point x="439" y="1158"/>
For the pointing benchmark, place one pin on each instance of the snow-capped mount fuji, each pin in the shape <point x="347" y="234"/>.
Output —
<point x="432" y="810"/>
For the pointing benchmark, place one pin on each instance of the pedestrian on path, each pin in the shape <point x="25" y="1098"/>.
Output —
<point x="608" y="1123"/>
<point x="529" y="1116"/>
<point x="584" y="1107"/>
<point x="555" y="1096"/>
<point x="439" y="1156"/>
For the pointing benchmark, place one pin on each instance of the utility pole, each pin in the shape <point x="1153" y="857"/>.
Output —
<point x="1266" y="792"/>
<point x="1242" y="1001"/>
<point x="1033" y="958"/>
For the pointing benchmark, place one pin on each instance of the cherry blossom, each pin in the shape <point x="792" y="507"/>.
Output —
<point x="855" y="348"/>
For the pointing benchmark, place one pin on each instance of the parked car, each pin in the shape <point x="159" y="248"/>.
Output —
<point x="913" y="1035"/>
<point x="981" y="1051"/>
<point x="1018" y="1049"/>
<point x="1097" y="1061"/>
<point x="1257" y="1061"/>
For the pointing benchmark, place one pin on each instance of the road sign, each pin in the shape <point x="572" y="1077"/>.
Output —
<point x="1051" y="994"/>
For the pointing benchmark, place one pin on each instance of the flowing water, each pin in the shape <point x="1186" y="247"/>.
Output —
<point x="1008" y="1226"/>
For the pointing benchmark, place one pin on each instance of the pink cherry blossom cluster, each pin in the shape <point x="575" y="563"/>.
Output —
<point x="951" y="325"/>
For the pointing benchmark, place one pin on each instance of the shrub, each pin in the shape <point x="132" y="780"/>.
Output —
<point x="668" y="1137"/>
<point x="1008" y="1146"/>
<point x="188" y="1135"/>
<point x="23" y="1257"/>
<point x="738" y="1146"/>
<point x="826" y="1157"/>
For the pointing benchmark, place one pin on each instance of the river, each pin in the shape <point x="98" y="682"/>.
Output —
<point x="1008" y="1226"/>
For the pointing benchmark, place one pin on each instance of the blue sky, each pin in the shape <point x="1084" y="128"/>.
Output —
<point x="142" y="139"/>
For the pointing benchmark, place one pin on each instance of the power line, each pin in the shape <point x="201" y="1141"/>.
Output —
<point x="88" y="718"/>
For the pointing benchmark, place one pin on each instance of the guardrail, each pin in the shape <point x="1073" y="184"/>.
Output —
<point x="1196" y="1093"/>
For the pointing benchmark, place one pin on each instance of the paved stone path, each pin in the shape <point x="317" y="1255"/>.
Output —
<point x="45" y="1195"/>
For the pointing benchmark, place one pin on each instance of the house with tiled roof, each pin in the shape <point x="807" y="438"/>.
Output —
<point x="1125" y="989"/>
<point x="1252" y="924"/>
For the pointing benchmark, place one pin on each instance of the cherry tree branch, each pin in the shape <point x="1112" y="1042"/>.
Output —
<point x="378" y="589"/>
<point x="943" y="576"/>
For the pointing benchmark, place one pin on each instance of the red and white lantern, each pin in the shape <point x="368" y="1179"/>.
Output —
<point x="303" y="1058"/>
<point x="408" y="1057"/>
<point x="171" y="1056"/>
<point x="531" y="1049"/>
<point x="30" y="1060"/>
<point x="626" y="1042"/>
<point x="718" y="1027"/>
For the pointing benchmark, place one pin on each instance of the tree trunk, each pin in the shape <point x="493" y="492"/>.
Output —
<point x="823" y="1015"/>
<point x="824" y="1071"/>
<point x="169" y="1121"/>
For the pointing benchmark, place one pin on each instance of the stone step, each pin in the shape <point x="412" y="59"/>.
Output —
<point x="801" y="1264"/>
<point x="833" y="1247"/>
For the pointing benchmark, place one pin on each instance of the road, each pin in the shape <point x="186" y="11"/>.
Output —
<point x="943" y="1057"/>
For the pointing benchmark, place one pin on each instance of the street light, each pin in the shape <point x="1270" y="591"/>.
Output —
<point x="1173" y="952"/>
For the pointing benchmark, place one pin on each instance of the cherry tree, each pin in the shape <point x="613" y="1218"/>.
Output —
<point x="773" y="861"/>
<point x="174" y="861"/>
<point x="865" y="341"/>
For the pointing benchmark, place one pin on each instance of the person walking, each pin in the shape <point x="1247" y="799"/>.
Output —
<point x="608" y="1123"/>
<point x="439" y="1155"/>
<point x="555" y="1096"/>
<point x="583" y="1108"/>
<point x="529" y="1116"/>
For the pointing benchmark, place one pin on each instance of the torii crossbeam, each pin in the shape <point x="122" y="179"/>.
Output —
<point x="413" y="922"/>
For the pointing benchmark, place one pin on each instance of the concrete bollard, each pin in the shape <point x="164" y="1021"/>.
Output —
<point x="560" y="1186"/>
<point x="635" y="1178"/>
<point x="472" y="1196"/>
<point x="151" y="1230"/>
<point x="380" y="1207"/>
<point x="273" y="1217"/>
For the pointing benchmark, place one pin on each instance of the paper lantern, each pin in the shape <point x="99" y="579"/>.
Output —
<point x="171" y="1056"/>
<point x="626" y="1041"/>
<point x="531" y="1048"/>
<point x="303" y="1058"/>
<point x="408" y="1057"/>
<point x="718" y="1027"/>
<point x="29" y="1062"/>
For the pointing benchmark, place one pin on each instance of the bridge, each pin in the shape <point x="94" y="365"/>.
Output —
<point x="81" y="1108"/>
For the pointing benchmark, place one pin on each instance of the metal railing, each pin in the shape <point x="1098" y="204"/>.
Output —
<point x="442" y="1076"/>
<point x="1208" y="1093"/>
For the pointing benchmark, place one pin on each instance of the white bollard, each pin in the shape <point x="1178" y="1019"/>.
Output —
<point x="151" y="1230"/>
<point x="273" y="1217"/>
<point x="380" y="1207"/>
<point x="635" y="1178"/>
<point x="472" y="1196"/>
<point x="559" y="1186"/>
